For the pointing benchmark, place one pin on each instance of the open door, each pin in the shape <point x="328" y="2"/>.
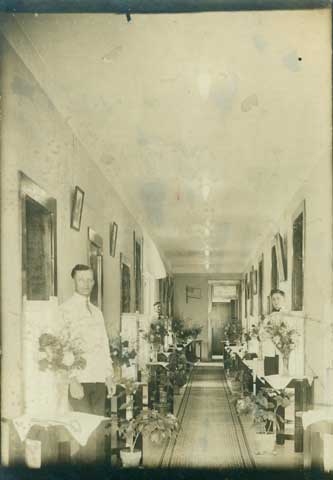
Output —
<point x="219" y="316"/>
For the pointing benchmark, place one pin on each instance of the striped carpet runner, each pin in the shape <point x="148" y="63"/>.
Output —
<point x="211" y="435"/>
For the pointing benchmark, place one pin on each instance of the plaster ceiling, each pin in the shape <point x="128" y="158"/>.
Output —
<point x="204" y="123"/>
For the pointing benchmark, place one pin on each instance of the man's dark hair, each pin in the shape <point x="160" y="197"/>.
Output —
<point x="277" y="290"/>
<point x="79" y="268"/>
<point x="156" y="303"/>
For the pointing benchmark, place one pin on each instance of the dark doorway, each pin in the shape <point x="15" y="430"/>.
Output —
<point x="219" y="316"/>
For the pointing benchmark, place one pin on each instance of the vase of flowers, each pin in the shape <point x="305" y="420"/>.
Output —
<point x="59" y="356"/>
<point x="284" y="339"/>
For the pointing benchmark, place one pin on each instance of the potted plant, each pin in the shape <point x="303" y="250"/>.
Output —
<point x="233" y="331"/>
<point x="177" y="370"/>
<point x="177" y="326"/>
<point x="149" y="423"/>
<point x="264" y="410"/>
<point x="155" y="336"/>
<point x="121" y="355"/>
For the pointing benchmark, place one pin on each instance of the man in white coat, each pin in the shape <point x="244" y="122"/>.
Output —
<point x="269" y="351"/>
<point x="89" y="386"/>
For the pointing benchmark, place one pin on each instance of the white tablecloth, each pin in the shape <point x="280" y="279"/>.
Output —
<point x="280" y="382"/>
<point x="79" y="425"/>
<point x="314" y="416"/>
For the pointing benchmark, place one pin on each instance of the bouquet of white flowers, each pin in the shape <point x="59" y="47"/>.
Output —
<point x="60" y="353"/>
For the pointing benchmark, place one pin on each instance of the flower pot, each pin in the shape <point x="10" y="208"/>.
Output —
<point x="264" y="443"/>
<point x="130" y="459"/>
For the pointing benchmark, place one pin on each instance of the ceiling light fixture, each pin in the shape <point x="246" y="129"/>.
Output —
<point x="207" y="252"/>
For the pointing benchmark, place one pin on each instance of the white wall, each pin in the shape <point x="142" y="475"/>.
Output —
<point x="39" y="142"/>
<point x="317" y="193"/>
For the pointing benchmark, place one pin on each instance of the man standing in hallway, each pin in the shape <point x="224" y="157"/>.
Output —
<point x="269" y="351"/>
<point x="85" y="322"/>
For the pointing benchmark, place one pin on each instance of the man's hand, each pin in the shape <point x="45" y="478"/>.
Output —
<point x="111" y="386"/>
<point x="76" y="389"/>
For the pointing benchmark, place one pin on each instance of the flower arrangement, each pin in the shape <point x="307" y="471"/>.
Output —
<point x="157" y="332"/>
<point x="283" y="337"/>
<point x="60" y="353"/>
<point x="177" y="326"/>
<point x="181" y="332"/>
<point x="252" y="333"/>
<point x="120" y="353"/>
<point x="233" y="331"/>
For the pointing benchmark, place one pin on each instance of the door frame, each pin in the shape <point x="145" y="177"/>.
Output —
<point x="211" y="284"/>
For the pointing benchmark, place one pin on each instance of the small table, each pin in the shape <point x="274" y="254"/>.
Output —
<point x="54" y="436"/>
<point x="315" y="423"/>
<point x="303" y="387"/>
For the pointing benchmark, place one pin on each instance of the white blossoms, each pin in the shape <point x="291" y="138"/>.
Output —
<point x="68" y="359"/>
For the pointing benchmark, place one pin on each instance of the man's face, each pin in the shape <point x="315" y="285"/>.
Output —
<point x="84" y="282"/>
<point x="158" y="309"/>
<point x="277" y="301"/>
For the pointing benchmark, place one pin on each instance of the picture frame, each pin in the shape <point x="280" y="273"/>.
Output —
<point x="95" y="260"/>
<point x="192" y="292"/>
<point x="281" y="258"/>
<point x="113" y="238"/>
<point x="77" y="207"/>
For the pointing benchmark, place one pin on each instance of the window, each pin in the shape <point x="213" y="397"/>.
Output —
<point x="298" y="260"/>
<point x="39" y="256"/>
<point x="274" y="271"/>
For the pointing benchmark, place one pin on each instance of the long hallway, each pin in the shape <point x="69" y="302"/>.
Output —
<point x="211" y="434"/>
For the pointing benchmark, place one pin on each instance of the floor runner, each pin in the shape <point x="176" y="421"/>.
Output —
<point x="211" y="435"/>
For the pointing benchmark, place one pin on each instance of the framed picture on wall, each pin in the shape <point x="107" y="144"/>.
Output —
<point x="95" y="256"/>
<point x="192" y="292"/>
<point x="77" y="207"/>
<point x="280" y="257"/>
<point x="113" y="238"/>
